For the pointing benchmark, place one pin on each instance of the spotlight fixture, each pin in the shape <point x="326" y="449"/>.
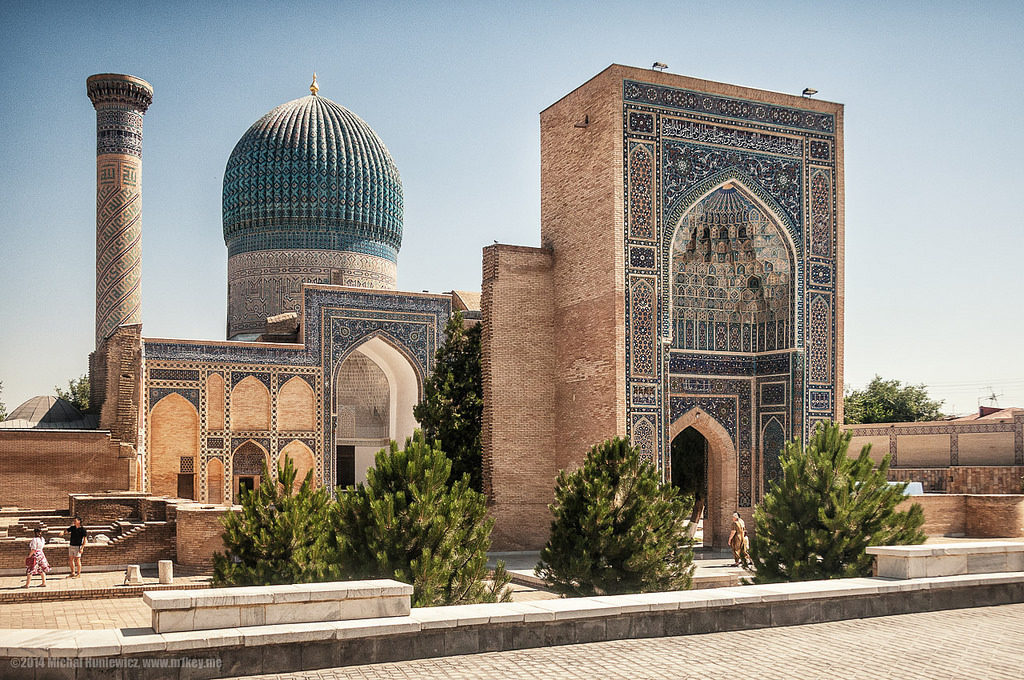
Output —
<point x="659" y="66"/>
<point x="810" y="92"/>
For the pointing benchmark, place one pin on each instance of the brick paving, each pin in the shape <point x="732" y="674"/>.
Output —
<point x="962" y="643"/>
<point x="122" y="612"/>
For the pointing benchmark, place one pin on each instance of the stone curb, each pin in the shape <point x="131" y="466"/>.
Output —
<point x="441" y="631"/>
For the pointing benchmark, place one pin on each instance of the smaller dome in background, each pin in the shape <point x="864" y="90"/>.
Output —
<point x="48" y="413"/>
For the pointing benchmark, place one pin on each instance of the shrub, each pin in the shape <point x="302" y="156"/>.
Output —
<point x="278" y="536"/>
<point x="818" y="518"/>
<point x="406" y="523"/>
<point x="617" y="528"/>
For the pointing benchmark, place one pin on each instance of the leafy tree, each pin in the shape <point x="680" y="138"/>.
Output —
<point x="818" y="518"/>
<point x="408" y="524"/>
<point x="77" y="393"/>
<point x="3" y="407"/>
<point x="452" y="407"/>
<point x="278" y="537"/>
<point x="889" y="401"/>
<point x="617" y="528"/>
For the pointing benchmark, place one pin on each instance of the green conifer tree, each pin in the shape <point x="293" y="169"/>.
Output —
<point x="405" y="522"/>
<point x="617" y="528"/>
<point x="818" y="518"/>
<point x="452" y="408"/>
<point x="279" y="535"/>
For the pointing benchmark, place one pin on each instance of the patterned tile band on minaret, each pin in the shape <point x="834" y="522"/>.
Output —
<point x="120" y="102"/>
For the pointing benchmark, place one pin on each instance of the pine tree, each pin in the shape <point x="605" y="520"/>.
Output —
<point x="452" y="407"/>
<point x="405" y="522"/>
<point x="279" y="534"/>
<point x="617" y="528"/>
<point x="818" y="518"/>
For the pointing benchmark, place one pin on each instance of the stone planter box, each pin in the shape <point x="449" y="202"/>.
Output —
<point x="179" y="610"/>
<point x="922" y="561"/>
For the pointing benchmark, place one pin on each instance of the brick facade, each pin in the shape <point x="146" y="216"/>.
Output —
<point x="199" y="530"/>
<point x="975" y="516"/>
<point x="39" y="468"/>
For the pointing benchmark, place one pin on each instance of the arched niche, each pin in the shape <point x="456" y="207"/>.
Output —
<point x="721" y="471"/>
<point x="173" y="446"/>
<point x="250" y="406"/>
<point x="215" y="402"/>
<point x="214" y="481"/>
<point x="296" y="406"/>
<point x="375" y="390"/>
<point x="302" y="459"/>
<point x="248" y="461"/>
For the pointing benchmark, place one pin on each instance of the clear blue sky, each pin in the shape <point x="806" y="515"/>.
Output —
<point x="934" y="149"/>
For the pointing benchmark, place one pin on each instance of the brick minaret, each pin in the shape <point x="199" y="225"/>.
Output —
<point x="120" y="102"/>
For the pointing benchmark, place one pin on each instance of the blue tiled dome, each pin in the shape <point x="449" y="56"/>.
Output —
<point x="312" y="175"/>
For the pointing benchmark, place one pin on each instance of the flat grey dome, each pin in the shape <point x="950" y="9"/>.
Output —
<point x="48" y="413"/>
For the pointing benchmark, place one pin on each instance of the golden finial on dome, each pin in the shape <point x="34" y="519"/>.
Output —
<point x="313" y="87"/>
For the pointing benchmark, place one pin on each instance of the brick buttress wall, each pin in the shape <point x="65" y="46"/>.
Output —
<point x="519" y="435"/>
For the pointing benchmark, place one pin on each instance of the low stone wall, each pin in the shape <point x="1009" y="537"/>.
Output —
<point x="986" y="479"/>
<point x="39" y="468"/>
<point x="994" y="516"/>
<point x="973" y="515"/>
<point x="934" y="480"/>
<point x="149" y="544"/>
<point x="199" y="532"/>
<point x="950" y="559"/>
<point x="103" y="508"/>
<point x="471" y="629"/>
<point x="944" y="514"/>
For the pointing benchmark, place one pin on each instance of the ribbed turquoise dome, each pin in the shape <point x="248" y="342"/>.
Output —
<point x="312" y="175"/>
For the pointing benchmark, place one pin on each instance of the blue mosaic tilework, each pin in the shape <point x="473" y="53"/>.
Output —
<point x="741" y="139"/>
<point x="239" y="376"/>
<point x="779" y="180"/>
<point x="783" y="160"/>
<point x="729" y="365"/>
<point x="311" y="174"/>
<point x="641" y="122"/>
<point x="173" y="374"/>
<point x="642" y="257"/>
<point x="819" y="400"/>
<point x="158" y="393"/>
<point x="726" y="107"/>
<point x="821" y="274"/>
<point x="773" y="394"/>
<point x="821" y="151"/>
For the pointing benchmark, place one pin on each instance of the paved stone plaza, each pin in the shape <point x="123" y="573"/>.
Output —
<point x="962" y="643"/>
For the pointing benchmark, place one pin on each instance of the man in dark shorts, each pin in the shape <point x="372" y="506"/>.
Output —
<point x="75" y="547"/>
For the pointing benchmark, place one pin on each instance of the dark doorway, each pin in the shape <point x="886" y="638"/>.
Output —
<point x="346" y="466"/>
<point x="689" y="468"/>
<point x="186" y="486"/>
<point x="246" y="483"/>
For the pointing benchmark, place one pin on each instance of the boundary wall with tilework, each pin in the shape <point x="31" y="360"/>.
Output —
<point x="471" y="629"/>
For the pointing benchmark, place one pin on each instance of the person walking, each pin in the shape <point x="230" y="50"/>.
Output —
<point x="76" y="546"/>
<point x="36" y="562"/>
<point x="738" y="541"/>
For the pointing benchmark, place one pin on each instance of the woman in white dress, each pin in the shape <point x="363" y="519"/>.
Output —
<point x="36" y="562"/>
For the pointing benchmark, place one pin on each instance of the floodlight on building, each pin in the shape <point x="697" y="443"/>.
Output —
<point x="659" y="66"/>
<point x="810" y="92"/>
